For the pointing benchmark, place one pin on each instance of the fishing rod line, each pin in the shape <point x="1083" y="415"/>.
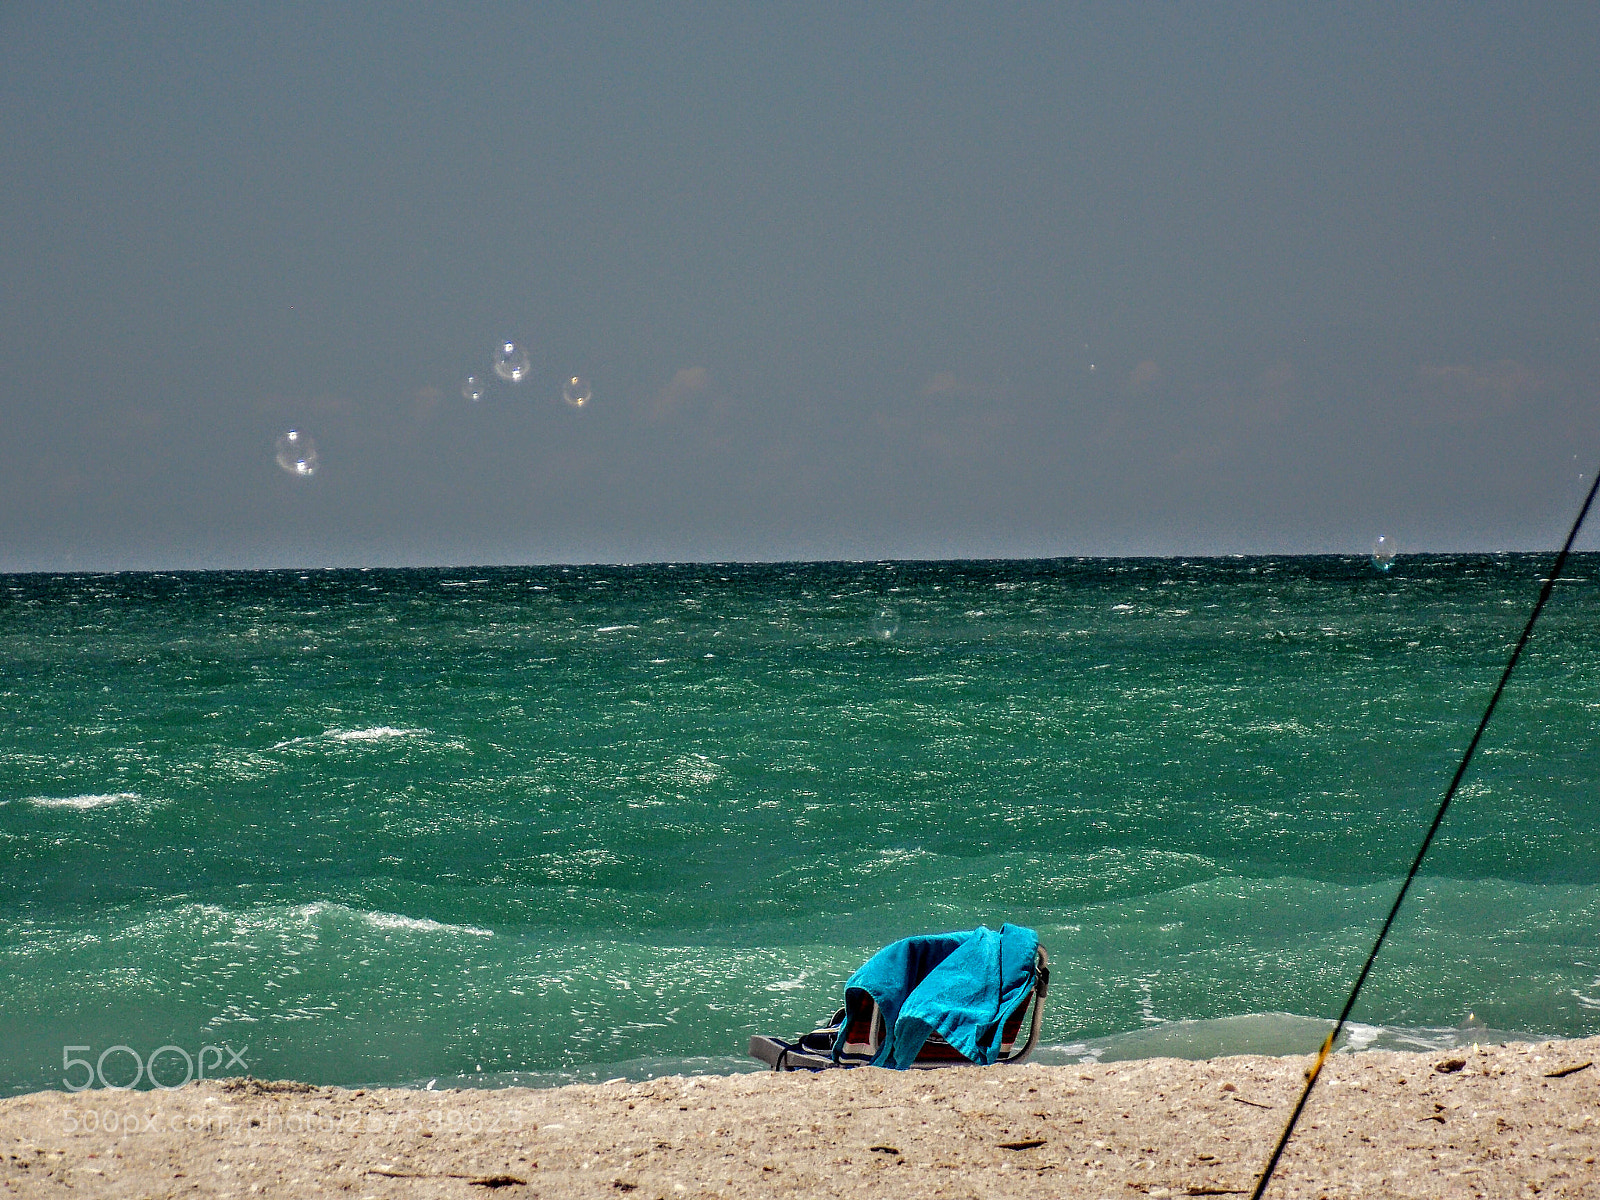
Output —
<point x="1315" y="1072"/>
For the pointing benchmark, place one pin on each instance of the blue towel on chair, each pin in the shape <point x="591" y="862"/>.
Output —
<point x="962" y="986"/>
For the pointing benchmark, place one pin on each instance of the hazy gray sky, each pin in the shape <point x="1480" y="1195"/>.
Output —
<point x="848" y="280"/>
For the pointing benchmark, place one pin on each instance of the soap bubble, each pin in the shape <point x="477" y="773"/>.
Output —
<point x="1383" y="552"/>
<point x="510" y="362"/>
<point x="886" y="624"/>
<point x="576" y="391"/>
<point x="297" y="453"/>
<point x="473" y="388"/>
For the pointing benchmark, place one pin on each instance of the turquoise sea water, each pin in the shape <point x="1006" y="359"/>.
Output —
<point x="538" y="824"/>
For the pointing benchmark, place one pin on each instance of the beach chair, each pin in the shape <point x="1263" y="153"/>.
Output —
<point x="944" y="1000"/>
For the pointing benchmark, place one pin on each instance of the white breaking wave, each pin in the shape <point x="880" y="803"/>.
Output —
<point x="376" y="734"/>
<point x="789" y="985"/>
<point x="421" y="924"/>
<point x="99" y="800"/>
<point x="1268" y="1033"/>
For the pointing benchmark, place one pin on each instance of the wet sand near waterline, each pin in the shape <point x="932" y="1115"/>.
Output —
<point x="1511" y="1120"/>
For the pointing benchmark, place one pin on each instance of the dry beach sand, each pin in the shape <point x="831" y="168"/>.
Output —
<point x="1497" y="1121"/>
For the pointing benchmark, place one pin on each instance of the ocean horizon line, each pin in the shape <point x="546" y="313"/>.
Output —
<point x="727" y="563"/>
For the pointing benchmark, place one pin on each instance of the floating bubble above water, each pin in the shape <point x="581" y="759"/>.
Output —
<point x="1383" y="552"/>
<point x="576" y="391"/>
<point x="297" y="453"/>
<point x="510" y="362"/>
<point x="473" y="388"/>
<point x="886" y="624"/>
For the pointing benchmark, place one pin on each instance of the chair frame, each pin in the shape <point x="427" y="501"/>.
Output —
<point x="814" y="1051"/>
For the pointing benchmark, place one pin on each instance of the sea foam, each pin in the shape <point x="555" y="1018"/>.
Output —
<point x="95" y="800"/>
<point x="384" y="920"/>
<point x="376" y="733"/>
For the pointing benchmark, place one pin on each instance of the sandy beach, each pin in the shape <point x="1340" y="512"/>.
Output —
<point x="1516" y="1120"/>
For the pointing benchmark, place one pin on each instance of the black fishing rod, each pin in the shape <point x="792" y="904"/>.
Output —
<point x="1438" y="819"/>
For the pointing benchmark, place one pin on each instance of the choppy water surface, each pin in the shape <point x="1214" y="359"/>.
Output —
<point x="541" y="824"/>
